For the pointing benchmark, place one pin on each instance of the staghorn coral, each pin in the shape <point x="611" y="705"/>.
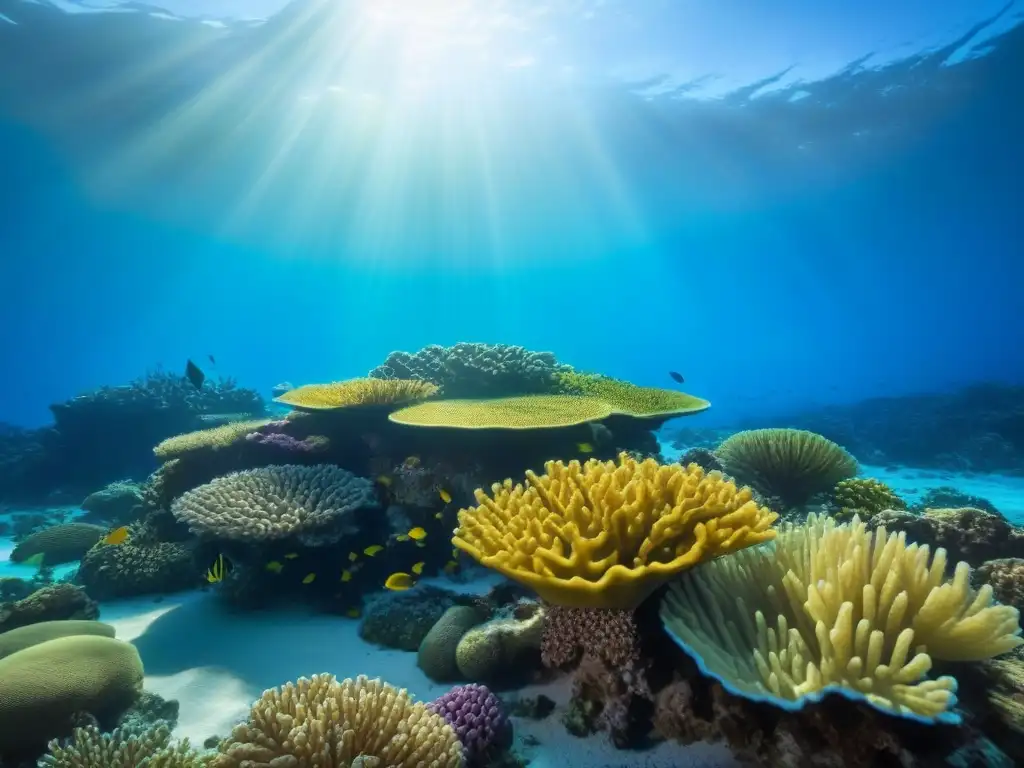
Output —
<point x="477" y="716"/>
<point x="629" y="399"/>
<point x="1006" y="577"/>
<point x="865" y="497"/>
<point x="124" y="748"/>
<point x="836" y="608"/>
<point x="471" y="369"/>
<point x="526" y="412"/>
<point x="790" y="464"/>
<point x="606" y="535"/>
<point x="355" y="393"/>
<point x="972" y="535"/>
<point x="315" y="503"/>
<point x="321" y="723"/>
<point x="214" y="438"/>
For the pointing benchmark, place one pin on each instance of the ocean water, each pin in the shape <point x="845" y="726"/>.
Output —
<point x="810" y="213"/>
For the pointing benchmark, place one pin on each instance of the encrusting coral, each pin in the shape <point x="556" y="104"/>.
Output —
<point x="789" y="464"/>
<point x="354" y="393"/>
<point x="865" y="497"/>
<point x="214" y="438"/>
<point x="525" y="412"/>
<point x="835" y="607"/>
<point x="315" y="503"/>
<point x="124" y="748"/>
<point x="1006" y="577"/>
<point x="322" y="723"/>
<point x="606" y="535"/>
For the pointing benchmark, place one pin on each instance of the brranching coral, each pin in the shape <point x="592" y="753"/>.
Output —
<point x="354" y="393"/>
<point x="865" y="496"/>
<point x="124" y="748"/>
<point x="314" y="503"/>
<point x="476" y="715"/>
<point x="835" y="607"/>
<point x="322" y="723"/>
<point x="606" y="535"/>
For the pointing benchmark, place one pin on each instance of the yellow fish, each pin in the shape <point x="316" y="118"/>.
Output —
<point x="217" y="571"/>
<point x="373" y="549"/>
<point x="35" y="560"/>
<point x="274" y="566"/>
<point x="309" y="578"/>
<point x="346" y="575"/>
<point x="116" y="536"/>
<point x="438" y="516"/>
<point x="402" y="537"/>
<point x="352" y="557"/>
<point x="418" y="568"/>
<point x="417" y="534"/>
<point x="585" y="447"/>
<point x="399" y="581"/>
<point x="412" y="462"/>
<point x="445" y="496"/>
<point x="384" y="480"/>
<point x="290" y="556"/>
<point x="352" y="613"/>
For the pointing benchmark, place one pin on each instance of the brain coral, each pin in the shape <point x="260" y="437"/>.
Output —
<point x="601" y="535"/>
<point x="355" y="393"/>
<point x="42" y="686"/>
<point x="215" y="438"/>
<point x="789" y="464"/>
<point x="124" y="748"/>
<point x="837" y="608"/>
<point x="321" y="723"/>
<point x="18" y="639"/>
<point x="58" y="544"/>
<point x="526" y="412"/>
<point x="315" y="503"/>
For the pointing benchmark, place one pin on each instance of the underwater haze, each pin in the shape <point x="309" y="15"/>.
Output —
<point x="791" y="203"/>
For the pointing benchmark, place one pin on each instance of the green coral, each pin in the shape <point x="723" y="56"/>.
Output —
<point x="630" y="399"/>
<point x="864" y="496"/>
<point x="58" y="544"/>
<point x="20" y="638"/>
<point x="124" y="748"/>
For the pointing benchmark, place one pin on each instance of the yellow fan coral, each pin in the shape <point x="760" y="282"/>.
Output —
<point x="321" y="723"/>
<point x="606" y="535"/>
<point x="526" y="412"/>
<point x="214" y="438"/>
<point x="629" y="399"/>
<point x="835" y="607"/>
<point x="356" y="392"/>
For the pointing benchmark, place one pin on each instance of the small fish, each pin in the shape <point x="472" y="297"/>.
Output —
<point x="384" y="480"/>
<point x="445" y="496"/>
<point x="417" y="534"/>
<point x="455" y="553"/>
<point x="35" y="560"/>
<point x="373" y="549"/>
<point x="402" y="537"/>
<point x="450" y="567"/>
<point x="584" y="447"/>
<point x="676" y="376"/>
<point x="399" y="581"/>
<point x="224" y="418"/>
<point x="352" y="557"/>
<point x="210" y="358"/>
<point x="274" y="566"/>
<point x="194" y="374"/>
<point x="217" y="571"/>
<point x="412" y="462"/>
<point x="418" y="568"/>
<point x="353" y="613"/>
<point x="309" y="578"/>
<point x="116" y="536"/>
<point x="346" y="575"/>
<point x="291" y="555"/>
<point x="421" y="544"/>
<point x="438" y="516"/>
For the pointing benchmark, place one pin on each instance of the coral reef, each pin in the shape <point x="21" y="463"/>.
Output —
<point x="114" y="505"/>
<point x="58" y="544"/>
<point x="316" y="504"/>
<point x="402" y="619"/>
<point x="947" y="497"/>
<point x="211" y="439"/>
<point x="478" y="718"/>
<point x="837" y="608"/>
<point x="864" y="497"/>
<point x="355" y="393"/>
<point x="123" y="748"/>
<point x="967" y="534"/>
<point x="142" y="565"/>
<point x="1006" y="577"/>
<point x="14" y="640"/>
<point x="51" y="603"/>
<point x="788" y="464"/>
<point x="471" y="369"/>
<point x="606" y="535"/>
<point x="321" y="722"/>
<point x="703" y="458"/>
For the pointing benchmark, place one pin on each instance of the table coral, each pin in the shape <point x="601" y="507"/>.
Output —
<point x="521" y="412"/>
<point x="355" y="393"/>
<point x="606" y="535"/>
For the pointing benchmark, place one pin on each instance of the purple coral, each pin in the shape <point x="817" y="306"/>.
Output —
<point x="476" y="715"/>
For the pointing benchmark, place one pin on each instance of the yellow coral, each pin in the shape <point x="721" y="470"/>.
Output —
<point x="214" y="438"/>
<point x="321" y="723"/>
<point x="356" y="392"/>
<point x="865" y="496"/>
<point x="837" y="607"/>
<point x="601" y="535"/>
<point x="526" y="412"/>
<point x="629" y="399"/>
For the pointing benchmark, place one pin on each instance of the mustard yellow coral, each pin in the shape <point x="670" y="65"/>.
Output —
<point x="605" y="535"/>
<point x="630" y="399"/>
<point x="526" y="412"/>
<point x="214" y="438"/>
<point x="836" y="607"/>
<point x="356" y="392"/>
<point x="865" y="496"/>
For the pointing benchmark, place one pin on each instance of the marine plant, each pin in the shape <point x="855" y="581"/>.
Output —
<point x="836" y="608"/>
<point x="607" y="534"/>
<point x="791" y="465"/>
<point x="355" y="393"/>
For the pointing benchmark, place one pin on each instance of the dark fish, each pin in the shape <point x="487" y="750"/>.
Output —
<point x="676" y="376"/>
<point x="211" y="359"/>
<point x="194" y="375"/>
